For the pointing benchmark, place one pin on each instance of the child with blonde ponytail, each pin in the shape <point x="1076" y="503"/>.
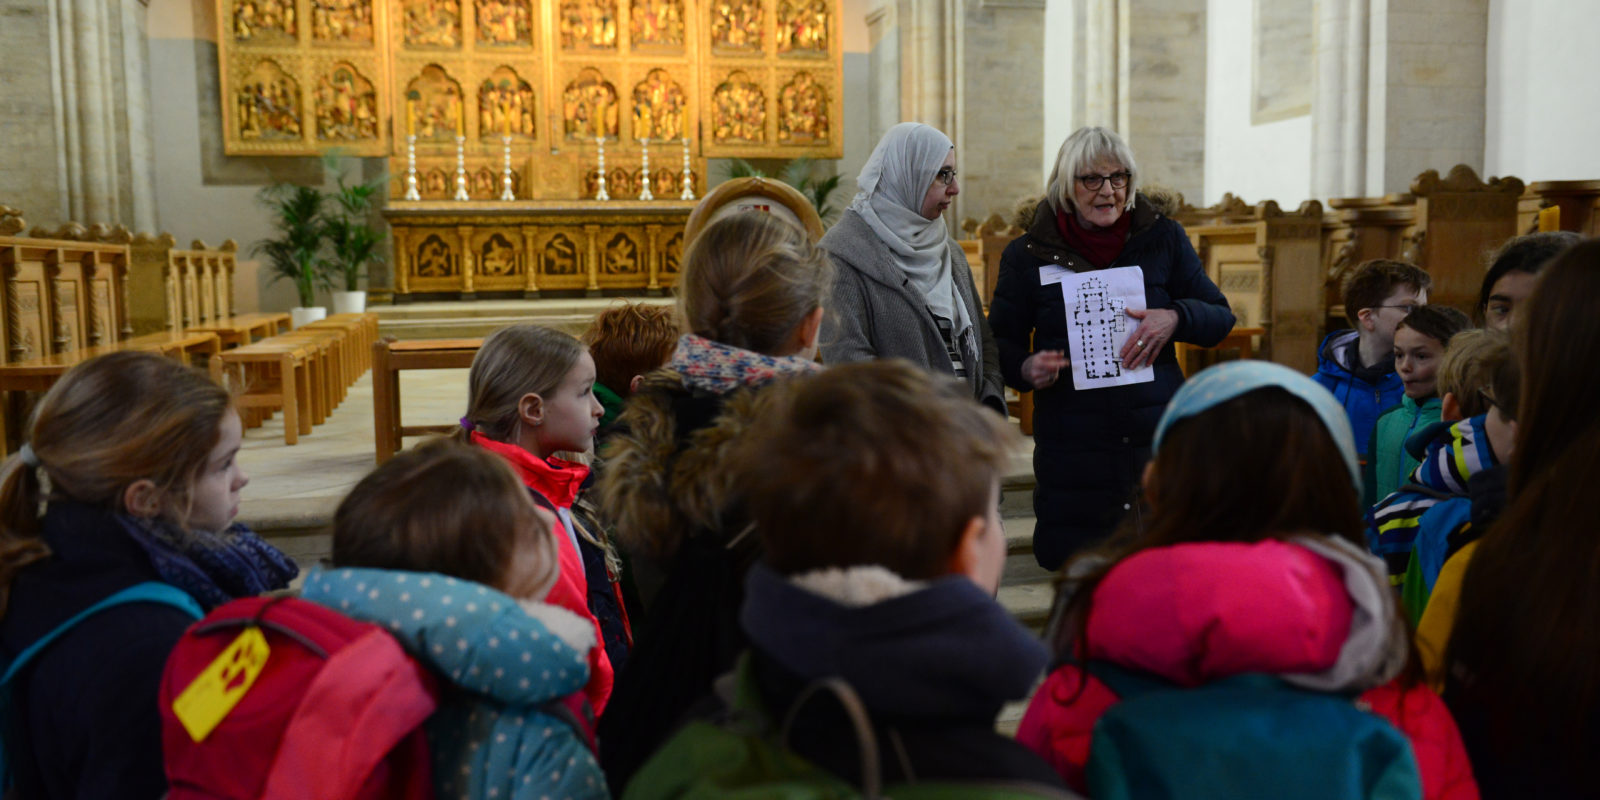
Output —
<point x="135" y="542"/>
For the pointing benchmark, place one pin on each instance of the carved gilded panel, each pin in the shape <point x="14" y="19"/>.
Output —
<point x="589" y="106"/>
<point x="505" y="23"/>
<point x="672" y="254"/>
<point x="622" y="254"/>
<point x="264" y="22"/>
<point x="342" y="22"/>
<point x="659" y="107"/>
<point x="435" y="258"/>
<point x="656" y="24"/>
<point x="739" y="110"/>
<point x="431" y="24"/>
<point x="736" y="27"/>
<point x="506" y="107"/>
<point x="346" y="106"/>
<point x="804" y="108"/>
<point x="434" y="103"/>
<point x="588" y="24"/>
<point x="803" y="27"/>
<point x="498" y="256"/>
<point x="267" y="105"/>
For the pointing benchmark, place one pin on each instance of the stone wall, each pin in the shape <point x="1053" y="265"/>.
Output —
<point x="1000" y="130"/>
<point x="30" y="179"/>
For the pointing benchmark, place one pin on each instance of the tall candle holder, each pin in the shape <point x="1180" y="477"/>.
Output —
<point x="505" y="177"/>
<point x="688" y="185"/>
<point x="602" y="194"/>
<point x="461" y="168"/>
<point x="644" y="155"/>
<point x="411" y="168"/>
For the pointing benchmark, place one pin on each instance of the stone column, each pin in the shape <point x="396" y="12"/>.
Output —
<point x="1000" y="126"/>
<point x="1399" y="89"/>
<point x="101" y="87"/>
<point x="1162" y="90"/>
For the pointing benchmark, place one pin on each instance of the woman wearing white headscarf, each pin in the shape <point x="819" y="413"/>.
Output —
<point x="903" y="288"/>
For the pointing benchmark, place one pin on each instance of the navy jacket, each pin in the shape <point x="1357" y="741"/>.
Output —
<point x="84" y="720"/>
<point x="1090" y="446"/>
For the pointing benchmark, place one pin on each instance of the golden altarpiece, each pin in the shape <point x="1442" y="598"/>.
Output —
<point x="698" y="79"/>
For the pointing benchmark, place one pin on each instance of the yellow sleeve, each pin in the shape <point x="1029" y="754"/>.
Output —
<point x="1433" y="632"/>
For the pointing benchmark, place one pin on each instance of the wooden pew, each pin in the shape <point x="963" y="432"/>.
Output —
<point x="1270" y="269"/>
<point x="1579" y="202"/>
<point x="1460" y="219"/>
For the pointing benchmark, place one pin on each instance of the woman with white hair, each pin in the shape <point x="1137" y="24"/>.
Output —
<point x="1090" y="445"/>
<point x="902" y="288"/>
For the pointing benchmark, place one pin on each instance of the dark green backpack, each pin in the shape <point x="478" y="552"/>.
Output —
<point x="745" y="755"/>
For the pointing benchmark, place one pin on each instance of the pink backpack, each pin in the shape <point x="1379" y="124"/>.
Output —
<point x="334" y="714"/>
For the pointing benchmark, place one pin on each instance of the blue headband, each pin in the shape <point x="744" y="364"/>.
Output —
<point x="1217" y="385"/>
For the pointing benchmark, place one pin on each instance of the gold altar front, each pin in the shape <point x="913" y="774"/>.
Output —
<point x="461" y="249"/>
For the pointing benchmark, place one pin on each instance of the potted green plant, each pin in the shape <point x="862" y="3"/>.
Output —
<point x="797" y="173"/>
<point x="294" y="252"/>
<point x="352" y="243"/>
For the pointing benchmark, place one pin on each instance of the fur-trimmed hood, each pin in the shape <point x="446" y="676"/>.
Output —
<point x="666" y="476"/>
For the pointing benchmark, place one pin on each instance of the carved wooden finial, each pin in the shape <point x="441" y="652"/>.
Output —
<point x="198" y="244"/>
<point x="71" y="231"/>
<point x="1462" y="178"/>
<point x="11" y="222"/>
<point x="1267" y="209"/>
<point x="1310" y="209"/>
<point x="229" y="246"/>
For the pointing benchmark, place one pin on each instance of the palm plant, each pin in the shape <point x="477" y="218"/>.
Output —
<point x="295" y="252"/>
<point x="353" y="243"/>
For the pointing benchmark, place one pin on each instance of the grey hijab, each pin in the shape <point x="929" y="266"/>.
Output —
<point x="892" y="186"/>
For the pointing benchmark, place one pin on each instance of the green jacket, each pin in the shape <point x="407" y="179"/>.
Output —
<point x="1389" y="462"/>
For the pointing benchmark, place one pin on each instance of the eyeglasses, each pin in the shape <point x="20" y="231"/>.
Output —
<point x="1406" y="307"/>
<point x="1119" y="180"/>
<point x="945" y="176"/>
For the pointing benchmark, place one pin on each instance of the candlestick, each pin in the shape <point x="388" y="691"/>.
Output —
<point x="602" y="194"/>
<point x="411" y="117"/>
<point x="461" y="167"/>
<point x="411" y="168"/>
<point x="644" y="184"/>
<point x="461" y="118"/>
<point x="505" y="179"/>
<point x="688" y="185"/>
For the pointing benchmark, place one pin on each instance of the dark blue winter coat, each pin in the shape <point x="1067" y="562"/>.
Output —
<point x="84" y="720"/>
<point x="1090" y="446"/>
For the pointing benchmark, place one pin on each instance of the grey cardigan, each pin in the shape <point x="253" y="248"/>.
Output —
<point x="875" y="312"/>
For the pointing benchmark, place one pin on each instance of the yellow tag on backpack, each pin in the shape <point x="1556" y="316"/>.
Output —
<point x="203" y="705"/>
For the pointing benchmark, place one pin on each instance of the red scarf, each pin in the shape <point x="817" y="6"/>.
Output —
<point x="1099" y="246"/>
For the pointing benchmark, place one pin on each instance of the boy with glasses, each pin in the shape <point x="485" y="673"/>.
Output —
<point x="1357" y="365"/>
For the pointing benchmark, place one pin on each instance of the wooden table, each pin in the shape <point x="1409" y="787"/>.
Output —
<point x="295" y="393"/>
<point x="182" y="346"/>
<point x="241" y="329"/>
<point x="388" y="360"/>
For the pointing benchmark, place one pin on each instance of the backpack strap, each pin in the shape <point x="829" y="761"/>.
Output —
<point x="148" y="592"/>
<point x="866" y="740"/>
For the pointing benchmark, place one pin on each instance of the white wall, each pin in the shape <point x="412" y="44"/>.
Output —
<point x="1541" y="121"/>
<point x="1058" y="61"/>
<point x="1271" y="161"/>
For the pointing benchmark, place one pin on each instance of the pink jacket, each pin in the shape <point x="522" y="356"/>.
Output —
<point x="1194" y="613"/>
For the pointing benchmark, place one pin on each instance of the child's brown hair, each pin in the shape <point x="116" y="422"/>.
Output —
<point x="630" y="339"/>
<point x="109" y="422"/>
<point x="1469" y="367"/>
<point x="1440" y="323"/>
<point x="871" y="463"/>
<point x="1373" y="281"/>
<point x="449" y="508"/>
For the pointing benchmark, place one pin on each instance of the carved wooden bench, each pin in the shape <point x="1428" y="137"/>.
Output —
<point x="389" y="359"/>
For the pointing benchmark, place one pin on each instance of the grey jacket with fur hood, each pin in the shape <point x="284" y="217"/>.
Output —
<point x="875" y="312"/>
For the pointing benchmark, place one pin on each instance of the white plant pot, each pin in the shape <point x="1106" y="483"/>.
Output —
<point x="349" y="302"/>
<point x="300" y="315"/>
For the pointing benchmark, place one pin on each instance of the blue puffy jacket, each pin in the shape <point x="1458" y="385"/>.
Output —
<point x="1363" y="399"/>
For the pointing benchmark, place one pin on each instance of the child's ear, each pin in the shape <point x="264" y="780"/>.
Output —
<point x="633" y="385"/>
<point x="1364" y="319"/>
<point x="969" y="552"/>
<point x="1449" y="408"/>
<point x="530" y="408"/>
<point x="142" y="498"/>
